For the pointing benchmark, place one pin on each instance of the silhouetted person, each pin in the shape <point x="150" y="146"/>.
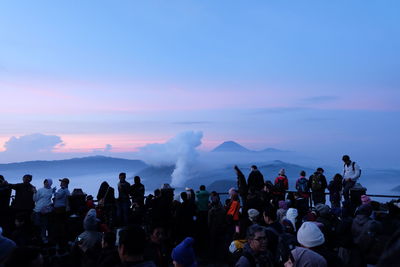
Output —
<point x="318" y="185"/>
<point x="106" y="202"/>
<point x="241" y="184"/>
<point x="60" y="213"/>
<point x="137" y="191"/>
<point x="23" y="202"/>
<point x="351" y="173"/>
<point x="124" y="202"/>
<point x="256" y="179"/>
<point x="109" y="253"/>
<point x="132" y="243"/>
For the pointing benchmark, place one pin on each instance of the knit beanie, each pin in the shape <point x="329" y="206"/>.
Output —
<point x="322" y="209"/>
<point x="365" y="199"/>
<point x="309" y="235"/>
<point x="253" y="213"/>
<point x="283" y="204"/>
<point x="184" y="253"/>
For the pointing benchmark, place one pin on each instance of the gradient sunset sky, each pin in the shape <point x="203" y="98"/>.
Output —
<point x="311" y="76"/>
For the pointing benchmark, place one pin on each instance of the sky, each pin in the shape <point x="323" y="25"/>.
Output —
<point x="87" y="77"/>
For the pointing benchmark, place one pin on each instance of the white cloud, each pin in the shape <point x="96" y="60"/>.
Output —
<point x="33" y="143"/>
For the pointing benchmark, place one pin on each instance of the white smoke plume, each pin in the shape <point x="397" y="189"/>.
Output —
<point x="179" y="150"/>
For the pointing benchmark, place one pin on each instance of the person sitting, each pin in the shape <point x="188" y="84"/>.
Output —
<point x="255" y="251"/>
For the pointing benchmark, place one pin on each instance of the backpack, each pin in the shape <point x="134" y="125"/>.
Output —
<point x="316" y="182"/>
<point x="302" y="185"/>
<point x="280" y="185"/>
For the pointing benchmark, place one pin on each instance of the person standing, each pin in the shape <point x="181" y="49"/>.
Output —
<point x="124" y="201"/>
<point x="60" y="213"/>
<point x="255" y="180"/>
<point x="281" y="184"/>
<point x="137" y="191"/>
<point x="43" y="207"/>
<point x="335" y="188"/>
<point x="23" y="203"/>
<point x="318" y="185"/>
<point x="351" y="174"/>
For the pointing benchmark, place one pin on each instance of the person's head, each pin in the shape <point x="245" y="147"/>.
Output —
<point x="20" y="220"/>
<point x="108" y="240"/>
<point x="2" y="180"/>
<point x="254" y="167"/>
<point x="309" y="235"/>
<point x="215" y="199"/>
<point x="47" y="183"/>
<point x="132" y="242"/>
<point x="184" y="196"/>
<point x="136" y="179"/>
<point x="157" y="235"/>
<point x="122" y="176"/>
<point x="253" y="215"/>
<point x="257" y="238"/>
<point x="269" y="214"/>
<point x="338" y="178"/>
<point x="320" y="170"/>
<point x="27" y="178"/>
<point x="64" y="182"/>
<point x="346" y="159"/>
<point x="157" y="192"/>
<point x="365" y="199"/>
<point x="202" y="187"/>
<point x="282" y="172"/>
<point x="302" y="173"/>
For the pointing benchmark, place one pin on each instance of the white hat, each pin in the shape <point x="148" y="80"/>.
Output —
<point x="309" y="235"/>
<point x="253" y="213"/>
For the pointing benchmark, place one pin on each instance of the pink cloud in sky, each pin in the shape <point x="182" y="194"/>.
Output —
<point x="119" y="142"/>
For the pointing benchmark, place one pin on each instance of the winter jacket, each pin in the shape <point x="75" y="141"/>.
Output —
<point x="90" y="237"/>
<point x="234" y="210"/>
<point x="260" y="259"/>
<point x="42" y="198"/>
<point x="61" y="198"/>
<point x="348" y="171"/>
<point x="202" y="200"/>
<point x="23" y="196"/>
<point x="255" y="181"/>
<point x="305" y="257"/>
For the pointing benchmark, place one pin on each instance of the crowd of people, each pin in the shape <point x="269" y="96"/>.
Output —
<point x="260" y="223"/>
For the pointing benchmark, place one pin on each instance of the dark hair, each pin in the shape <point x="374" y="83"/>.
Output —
<point x="270" y="212"/>
<point x="136" y="179"/>
<point x="346" y="158"/>
<point x="2" y="178"/>
<point x="109" y="238"/>
<point x="122" y="174"/>
<point x="202" y="187"/>
<point x="254" y="167"/>
<point x="133" y="238"/>
<point x="302" y="173"/>
<point x="184" y="196"/>
<point x="320" y="169"/>
<point x="252" y="230"/>
<point x="29" y="176"/>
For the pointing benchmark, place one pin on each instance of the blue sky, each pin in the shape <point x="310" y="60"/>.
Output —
<point x="310" y="76"/>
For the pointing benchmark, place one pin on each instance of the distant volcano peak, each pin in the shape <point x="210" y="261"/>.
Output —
<point x="230" y="146"/>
